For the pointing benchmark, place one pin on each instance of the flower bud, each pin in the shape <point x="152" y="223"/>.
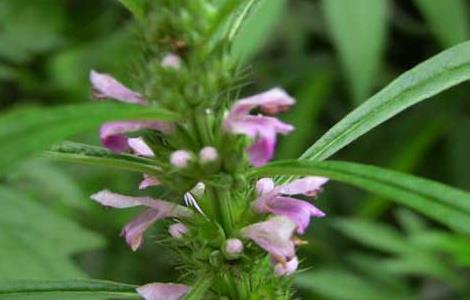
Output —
<point x="177" y="230"/>
<point x="171" y="61"/>
<point x="208" y="154"/>
<point x="180" y="158"/>
<point x="286" y="268"/>
<point x="233" y="248"/>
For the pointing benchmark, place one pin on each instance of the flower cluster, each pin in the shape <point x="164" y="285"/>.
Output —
<point x="287" y="215"/>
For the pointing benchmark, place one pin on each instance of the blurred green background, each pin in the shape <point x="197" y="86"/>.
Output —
<point x="331" y="55"/>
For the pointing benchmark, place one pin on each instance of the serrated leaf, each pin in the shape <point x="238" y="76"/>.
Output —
<point x="443" y="203"/>
<point x="37" y="243"/>
<point x="93" y="155"/>
<point x="358" y="30"/>
<point x="429" y="78"/>
<point x="27" y="131"/>
<point x="61" y="289"/>
<point x="449" y="20"/>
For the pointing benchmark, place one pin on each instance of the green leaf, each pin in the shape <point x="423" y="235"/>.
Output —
<point x="376" y="235"/>
<point x="445" y="204"/>
<point x="27" y="131"/>
<point x="344" y="285"/>
<point x="136" y="7"/>
<point x="441" y="72"/>
<point x="37" y="243"/>
<point x="253" y="29"/>
<point x="358" y="30"/>
<point x="61" y="289"/>
<point x="449" y="20"/>
<point x="93" y="155"/>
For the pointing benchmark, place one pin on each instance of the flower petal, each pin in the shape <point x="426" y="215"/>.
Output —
<point x="264" y="186"/>
<point x="134" y="230"/>
<point x="274" y="236"/>
<point x="139" y="147"/>
<point x="163" y="291"/>
<point x="167" y="209"/>
<point x="112" y="133"/>
<point x="309" y="186"/>
<point x="298" y="211"/>
<point x="288" y="268"/>
<point x="148" y="182"/>
<point x="105" y="86"/>
<point x="171" y="61"/>
<point x="272" y="101"/>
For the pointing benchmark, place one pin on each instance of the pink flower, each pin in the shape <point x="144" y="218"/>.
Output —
<point x="271" y="199"/>
<point x="286" y="268"/>
<point x="208" y="154"/>
<point x="233" y="246"/>
<point x="113" y="134"/>
<point x="105" y="86"/>
<point x="177" y="230"/>
<point x="139" y="147"/>
<point x="157" y="209"/>
<point x="171" y="61"/>
<point x="163" y="291"/>
<point x="148" y="182"/>
<point x="180" y="158"/>
<point x="262" y="129"/>
<point x="275" y="236"/>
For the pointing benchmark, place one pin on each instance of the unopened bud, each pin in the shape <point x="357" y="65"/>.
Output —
<point x="233" y="248"/>
<point x="180" y="158"/>
<point x="208" y="154"/>
<point x="177" y="230"/>
<point x="286" y="268"/>
<point x="171" y="61"/>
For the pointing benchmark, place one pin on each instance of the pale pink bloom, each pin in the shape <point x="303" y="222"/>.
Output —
<point x="177" y="230"/>
<point x="275" y="236"/>
<point x="105" y="86"/>
<point x="272" y="199"/>
<point x="262" y="129"/>
<point x="148" y="182"/>
<point x="171" y="61"/>
<point x="286" y="268"/>
<point x="163" y="291"/>
<point x="139" y="147"/>
<point x="113" y="136"/>
<point x="181" y="158"/>
<point x="157" y="209"/>
<point x="233" y="246"/>
<point x="208" y="154"/>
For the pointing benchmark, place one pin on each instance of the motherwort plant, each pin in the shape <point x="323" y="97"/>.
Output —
<point x="233" y="236"/>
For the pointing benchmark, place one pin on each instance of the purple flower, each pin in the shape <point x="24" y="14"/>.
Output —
<point x="163" y="291"/>
<point x="157" y="209"/>
<point x="233" y="247"/>
<point x="180" y="158"/>
<point x="113" y="134"/>
<point x="262" y="129"/>
<point x="271" y="199"/>
<point x="275" y="236"/>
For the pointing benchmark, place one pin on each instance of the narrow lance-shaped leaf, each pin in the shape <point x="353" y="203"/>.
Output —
<point x="449" y="20"/>
<point x="93" y="155"/>
<point x="73" y="289"/>
<point x="358" y="29"/>
<point x="431" y="77"/>
<point x="445" y="204"/>
<point x="27" y="131"/>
